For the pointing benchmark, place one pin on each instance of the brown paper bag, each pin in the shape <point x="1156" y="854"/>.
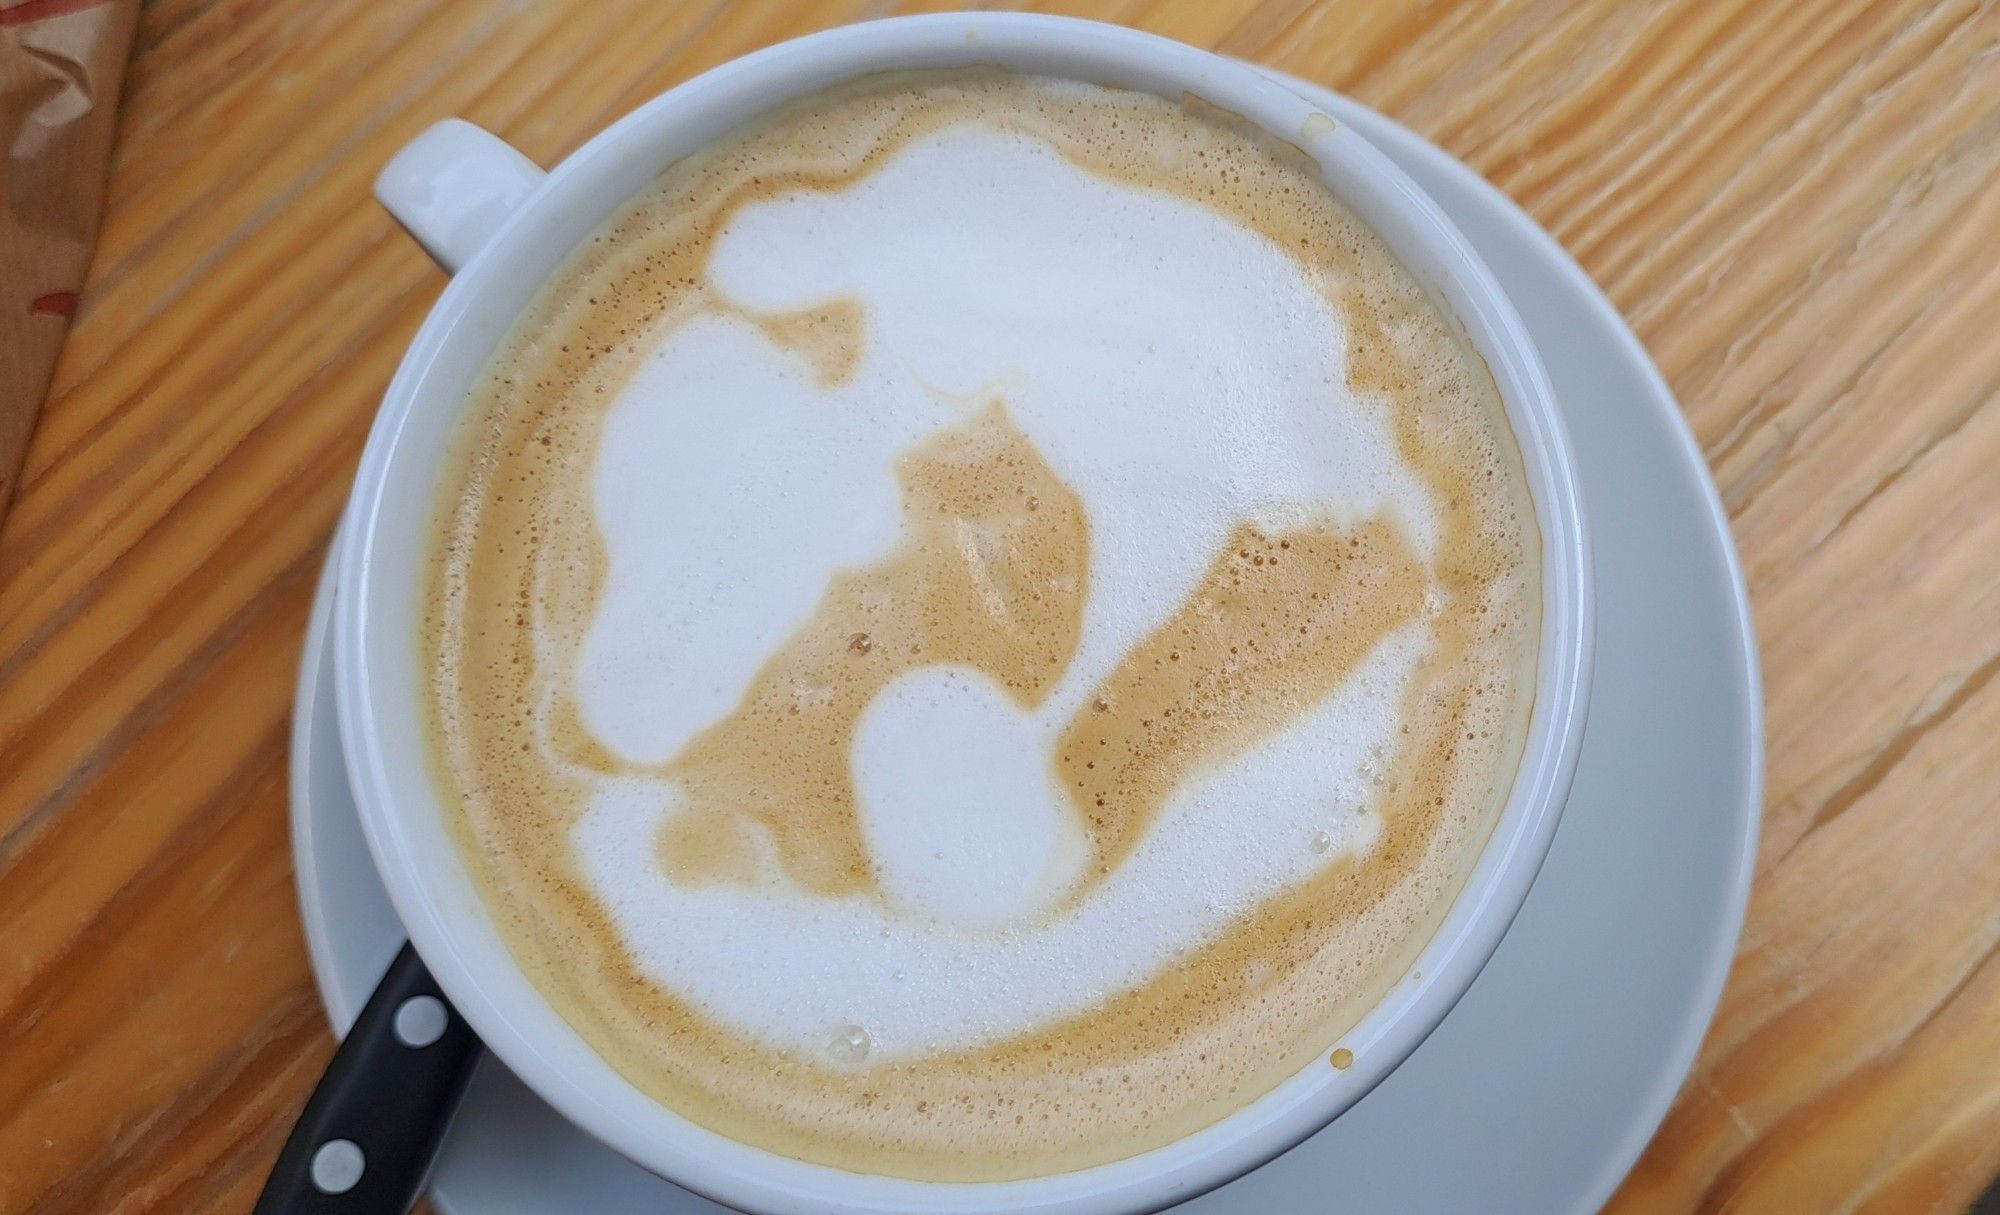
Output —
<point x="61" y="62"/>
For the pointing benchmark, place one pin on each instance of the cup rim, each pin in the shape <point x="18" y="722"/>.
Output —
<point x="402" y="819"/>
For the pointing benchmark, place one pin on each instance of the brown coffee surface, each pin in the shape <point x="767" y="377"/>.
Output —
<point x="991" y="574"/>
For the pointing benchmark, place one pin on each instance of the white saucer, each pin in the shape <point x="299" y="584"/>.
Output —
<point x="1540" y="1089"/>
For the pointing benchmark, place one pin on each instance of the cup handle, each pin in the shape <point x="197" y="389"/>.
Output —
<point x="453" y="186"/>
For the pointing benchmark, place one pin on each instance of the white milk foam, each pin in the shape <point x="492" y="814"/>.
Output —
<point x="1180" y="374"/>
<point x="1176" y="370"/>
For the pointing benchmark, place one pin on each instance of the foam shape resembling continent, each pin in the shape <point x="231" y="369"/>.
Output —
<point x="1179" y="371"/>
<point x="727" y="489"/>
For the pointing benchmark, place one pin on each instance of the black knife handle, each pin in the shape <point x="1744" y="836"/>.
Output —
<point x="365" y="1141"/>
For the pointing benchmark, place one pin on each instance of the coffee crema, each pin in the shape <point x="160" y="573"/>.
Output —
<point x="978" y="626"/>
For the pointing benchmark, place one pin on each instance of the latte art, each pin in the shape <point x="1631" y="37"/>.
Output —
<point x="978" y="626"/>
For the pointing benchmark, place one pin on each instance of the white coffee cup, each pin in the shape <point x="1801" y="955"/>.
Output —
<point x="502" y="226"/>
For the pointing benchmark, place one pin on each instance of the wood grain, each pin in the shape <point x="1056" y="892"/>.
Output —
<point x="1797" y="203"/>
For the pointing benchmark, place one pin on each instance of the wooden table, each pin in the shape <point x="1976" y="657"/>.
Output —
<point x="1797" y="204"/>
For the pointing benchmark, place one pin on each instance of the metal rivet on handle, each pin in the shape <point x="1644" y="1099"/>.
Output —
<point x="337" y="1166"/>
<point x="420" y="1021"/>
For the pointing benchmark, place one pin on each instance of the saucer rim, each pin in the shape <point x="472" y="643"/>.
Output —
<point x="1379" y="128"/>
